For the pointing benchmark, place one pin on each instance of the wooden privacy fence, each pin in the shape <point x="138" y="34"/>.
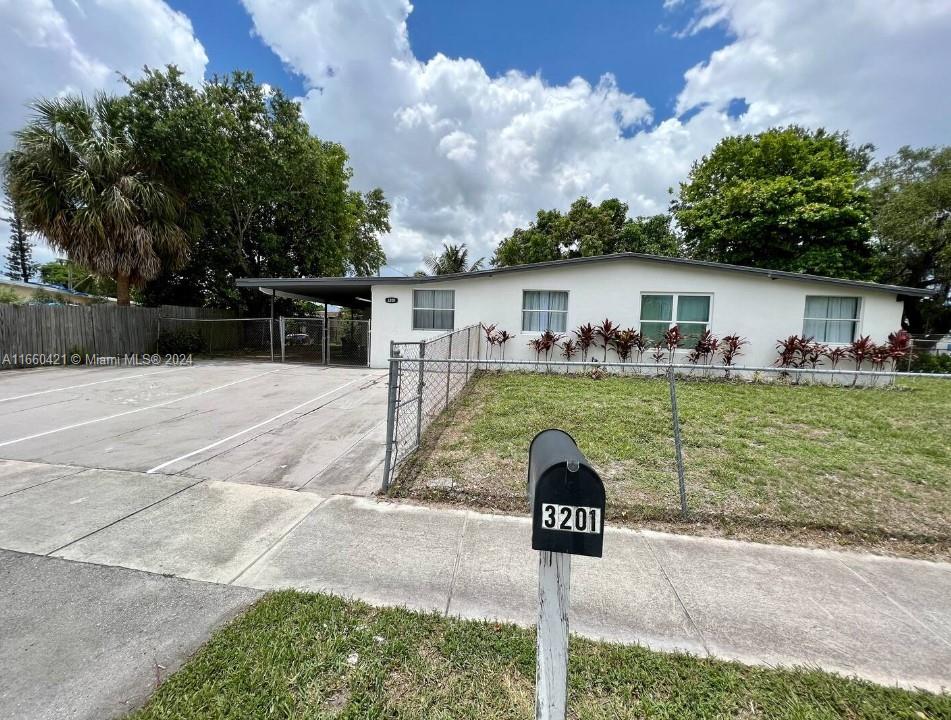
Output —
<point x="105" y="330"/>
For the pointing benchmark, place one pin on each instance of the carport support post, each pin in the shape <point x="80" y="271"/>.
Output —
<point x="270" y="325"/>
<point x="283" y="338"/>
<point x="326" y="338"/>
<point x="678" y="446"/>
<point x="551" y="668"/>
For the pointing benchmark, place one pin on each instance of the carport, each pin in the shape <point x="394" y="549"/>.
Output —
<point x="330" y="339"/>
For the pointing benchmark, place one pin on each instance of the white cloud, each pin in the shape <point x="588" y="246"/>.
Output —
<point x="467" y="156"/>
<point x="877" y="68"/>
<point x="49" y="48"/>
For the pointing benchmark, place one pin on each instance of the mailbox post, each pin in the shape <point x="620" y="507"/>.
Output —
<point x="566" y="497"/>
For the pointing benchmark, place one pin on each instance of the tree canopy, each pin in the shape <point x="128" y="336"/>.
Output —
<point x="76" y="177"/>
<point x="911" y="194"/>
<point x="264" y="196"/>
<point x="75" y="277"/>
<point x="452" y="259"/>
<point x="587" y="230"/>
<point x="786" y="199"/>
<point x="19" y="259"/>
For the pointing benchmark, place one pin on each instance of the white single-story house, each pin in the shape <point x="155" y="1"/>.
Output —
<point x="646" y="292"/>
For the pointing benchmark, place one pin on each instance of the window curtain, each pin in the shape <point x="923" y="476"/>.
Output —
<point x="433" y="309"/>
<point x="544" y="310"/>
<point x="831" y="319"/>
<point x="656" y="314"/>
<point x="693" y="314"/>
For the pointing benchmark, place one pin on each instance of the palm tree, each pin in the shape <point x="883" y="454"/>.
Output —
<point x="76" y="177"/>
<point x="452" y="259"/>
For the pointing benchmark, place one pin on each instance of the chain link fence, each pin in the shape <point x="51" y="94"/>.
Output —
<point x="348" y="341"/>
<point x="425" y="377"/>
<point x="336" y="341"/>
<point x="256" y="338"/>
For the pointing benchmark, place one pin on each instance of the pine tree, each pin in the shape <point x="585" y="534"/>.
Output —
<point x="20" y="265"/>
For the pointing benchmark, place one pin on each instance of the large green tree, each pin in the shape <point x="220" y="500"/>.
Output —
<point x="76" y="177"/>
<point x="911" y="192"/>
<point x="587" y="230"/>
<point x="19" y="259"/>
<point x="264" y="196"/>
<point x="786" y="199"/>
<point x="75" y="277"/>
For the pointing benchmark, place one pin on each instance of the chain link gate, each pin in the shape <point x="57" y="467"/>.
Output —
<point x="419" y="391"/>
<point x="336" y="341"/>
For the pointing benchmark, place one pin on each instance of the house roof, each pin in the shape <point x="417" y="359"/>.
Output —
<point x="356" y="290"/>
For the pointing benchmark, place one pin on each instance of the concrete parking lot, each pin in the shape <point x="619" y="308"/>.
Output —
<point x="311" y="428"/>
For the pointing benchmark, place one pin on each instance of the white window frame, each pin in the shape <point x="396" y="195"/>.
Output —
<point x="522" y="315"/>
<point x="415" y="308"/>
<point x="673" y="310"/>
<point x="857" y="320"/>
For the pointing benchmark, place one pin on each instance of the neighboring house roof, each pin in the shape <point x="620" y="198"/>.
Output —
<point x="62" y="290"/>
<point x="339" y="290"/>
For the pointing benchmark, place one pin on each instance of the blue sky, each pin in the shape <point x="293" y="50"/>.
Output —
<point x="420" y="99"/>
<point x="635" y="41"/>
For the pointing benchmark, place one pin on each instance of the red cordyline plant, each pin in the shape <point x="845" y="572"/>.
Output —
<point x="705" y="348"/>
<point x="835" y="354"/>
<point x="607" y="331"/>
<point x="788" y="352"/>
<point x="810" y="352"/>
<point x="502" y="337"/>
<point x="640" y="345"/>
<point x="860" y="350"/>
<point x="536" y="345"/>
<point x="586" y="336"/>
<point x="879" y="355"/>
<point x="731" y="347"/>
<point x="568" y="349"/>
<point x="490" y="338"/>
<point x="672" y="339"/>
<point x="899" y="346"/>
<point x="549" y="341"/>
<point x="624" y="343"/>
<point x="658" y="353"/>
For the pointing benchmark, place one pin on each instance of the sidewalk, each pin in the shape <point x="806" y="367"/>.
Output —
<point x="887" y="620"/>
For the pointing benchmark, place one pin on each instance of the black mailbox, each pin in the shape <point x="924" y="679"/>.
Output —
<point x="565" y="495"/>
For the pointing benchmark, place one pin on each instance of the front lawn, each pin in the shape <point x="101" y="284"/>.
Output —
<point x="296" y="655"/>
<point x="805" y="464"/>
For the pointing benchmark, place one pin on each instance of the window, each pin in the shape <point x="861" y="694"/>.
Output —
<point x="434" y="309"/>
<point x="544" y="310"/>
<point x="659" y="312"/>
<point x="831" y="319"/>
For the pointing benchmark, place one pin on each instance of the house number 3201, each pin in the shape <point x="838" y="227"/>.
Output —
<point x="571" y="518"/>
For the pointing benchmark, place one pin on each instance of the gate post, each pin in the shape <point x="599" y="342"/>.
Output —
<point x="419" y="394"/>
<point x="391" y="399"/>
<point x="678" y="445"/>
<point x="283" y="336"/>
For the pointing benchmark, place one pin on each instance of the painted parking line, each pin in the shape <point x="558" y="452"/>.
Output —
<point x="82" y="385"/>
<point x="136" y="410"/>
<point x="253" y="427"/>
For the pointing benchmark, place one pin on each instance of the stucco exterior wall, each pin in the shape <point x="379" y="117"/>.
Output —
<point x="756" y="307"/>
